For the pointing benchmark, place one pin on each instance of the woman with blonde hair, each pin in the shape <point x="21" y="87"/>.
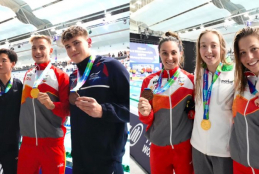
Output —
<point x="244" y="142"/>
<point x="214" y="90"/>
<point x="168" y="126"/>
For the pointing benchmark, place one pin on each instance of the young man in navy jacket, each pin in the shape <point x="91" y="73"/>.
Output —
<point x="10" y="102"/>
<point x="99" y="107"/>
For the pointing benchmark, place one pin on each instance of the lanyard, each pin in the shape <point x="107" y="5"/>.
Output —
<point x="252" y="87"/>
<point x="81" y="81"/>
<point x="8" y="87"/>
<point x="159" y="90"/>
<point x="207" y="92"/>
<point x="40" y="78"/>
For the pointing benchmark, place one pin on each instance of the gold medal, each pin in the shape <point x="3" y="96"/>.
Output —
<point x="205" y="124"/>
<point x="72" y="97"/>
<point x="35" y="92"/>
<point x="147" y="94"/>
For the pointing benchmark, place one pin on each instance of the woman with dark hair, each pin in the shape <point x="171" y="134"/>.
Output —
<point x="162" y="105"/>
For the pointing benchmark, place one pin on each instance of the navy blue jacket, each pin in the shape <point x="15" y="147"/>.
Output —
<point x="9" y="118"/>
<point x="98" y="140"/>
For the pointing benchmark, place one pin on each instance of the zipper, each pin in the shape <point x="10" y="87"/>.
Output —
<point x="170" y="114"/>
<point x="35" y="127"/>
<point x="247" y="139"/>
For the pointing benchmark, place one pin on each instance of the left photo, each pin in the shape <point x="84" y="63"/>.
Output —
<point x="64" y="87"/>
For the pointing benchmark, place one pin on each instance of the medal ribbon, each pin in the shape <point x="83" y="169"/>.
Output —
<point x="82" y="80"/>
<point x="8" y="87"/>
<point x="38" y="80"/>
<point x="251" y="87"/>
<point x="159" y="90"/>
<point x="207" y="92"/>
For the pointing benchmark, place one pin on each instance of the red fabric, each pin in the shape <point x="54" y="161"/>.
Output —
<point x="241" y="169"/>
<point x="51" y="159"/>
<point x="165" y="159"/>
<point x="178" y="96"/>
<point x="43" y="141"/>
<point x="62" y="107"/>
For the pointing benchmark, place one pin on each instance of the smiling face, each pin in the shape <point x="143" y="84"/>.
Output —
<point x="41" y="50"/>
<point x="77" y="48"/>
<point x="249" y="53"/>
<point x="210" y="50"/>
<point x="170" y="54"/>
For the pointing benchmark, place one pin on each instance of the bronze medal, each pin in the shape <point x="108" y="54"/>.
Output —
<point x="205" y="124"/>
<point x="147" y="94"/>
<point x="35" y="92"/>
<point x="72" y="97"/>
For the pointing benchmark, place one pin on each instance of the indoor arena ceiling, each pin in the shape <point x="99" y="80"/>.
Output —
<point x="107" y="21"/>
<point x="154" y="17"/>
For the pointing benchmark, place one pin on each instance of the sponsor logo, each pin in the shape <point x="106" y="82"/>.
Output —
<point x="28" y="78"/>
<point x="227" y="81"/>
<point x="29" y="75"/>
<point x="135" y="134"/>
<point x="146" y="148"/>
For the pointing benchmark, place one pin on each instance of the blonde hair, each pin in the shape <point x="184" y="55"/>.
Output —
<point x="170" y="36"/>
<point x="200" y="63"/>
<point x="240" y="79"/>
<point x="73" y="31"/>
<point x="35" y="37"/>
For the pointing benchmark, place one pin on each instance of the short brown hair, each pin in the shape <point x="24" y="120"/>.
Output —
<point x="35" y="37"/>
<point x="73" y="31"/>
<point x="240" y="79"/>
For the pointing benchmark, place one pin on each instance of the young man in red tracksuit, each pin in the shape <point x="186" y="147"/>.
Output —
<point x="44" y="108"/>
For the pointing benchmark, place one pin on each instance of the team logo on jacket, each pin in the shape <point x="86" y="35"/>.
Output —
<point x="181" y="80"/>
<point x="45" y="79"/>
<point x="135" y="134"/>
<point x="94" y="76"/>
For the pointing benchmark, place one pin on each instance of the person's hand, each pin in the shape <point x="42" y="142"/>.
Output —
<point x="90" y="106"/>
<point x="45" y="100"/>
<point x="144" y="106"/>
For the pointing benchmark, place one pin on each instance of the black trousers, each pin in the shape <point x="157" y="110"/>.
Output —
<point x="110" y="168"/>
<point x="9" y="163"/>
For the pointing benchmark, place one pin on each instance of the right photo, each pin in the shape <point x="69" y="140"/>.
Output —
<point x="194" y="97"/>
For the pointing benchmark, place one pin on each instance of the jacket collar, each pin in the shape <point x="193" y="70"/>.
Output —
<point x="42" y="66"/>
<point x="171" y="72"/>
<point x="82" y="65"/>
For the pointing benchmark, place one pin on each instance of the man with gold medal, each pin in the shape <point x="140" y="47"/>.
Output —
<point x="44" y="108"/>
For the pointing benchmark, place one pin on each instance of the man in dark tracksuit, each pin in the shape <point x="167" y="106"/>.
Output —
<point x="99" y="115"/>
<point x="10" y="101"/>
